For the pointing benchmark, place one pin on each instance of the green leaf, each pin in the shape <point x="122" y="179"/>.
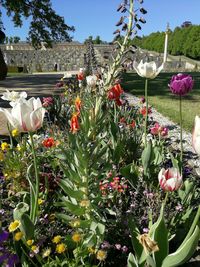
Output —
<point x="134" y="237"/>
<point x="185" y="252"/>
<point x="146" y="157"/>
<point x="74" y="209"/>
<point x="131" y="262"/>
<point x="159" y="233"/>
<point x="130" y="173"/>
<point x="65" y="185"/>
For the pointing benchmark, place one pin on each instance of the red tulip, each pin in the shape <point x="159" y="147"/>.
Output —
<point x="48" y="142"/>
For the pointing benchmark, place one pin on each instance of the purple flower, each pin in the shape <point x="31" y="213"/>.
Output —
<point x="13" y="259"/>
<point x="124" y="249"/>
<point x="181" y="84"/>
<point x="3" y="236"/>
<point x="105" y="245"/>
<point x="118" y="246"/>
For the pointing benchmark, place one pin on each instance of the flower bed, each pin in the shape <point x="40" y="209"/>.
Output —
<point x="82" y="184"/>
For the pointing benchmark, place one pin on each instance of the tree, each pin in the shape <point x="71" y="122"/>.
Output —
<point x="46" y="26"/>
<point x="16" y="39"/>
<point x="3" y="66"/>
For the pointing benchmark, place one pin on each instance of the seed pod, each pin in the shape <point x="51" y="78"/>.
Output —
<point x="117" y="31"/>
<point x="124" y="9"/>
<point x="120" y="21"/>
<point x="142" y="20"/>
<point x="125" y="26"/>
<point x="138" y="26"/>
<point x="119" y="7"/>
<point x="143" y="11"/>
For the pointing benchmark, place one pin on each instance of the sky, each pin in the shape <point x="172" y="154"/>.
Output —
<point x="98" y="17"/>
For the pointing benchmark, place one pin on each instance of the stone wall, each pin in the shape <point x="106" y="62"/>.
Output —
<point x="71" y="56"/>
<point x="63" y="56"/>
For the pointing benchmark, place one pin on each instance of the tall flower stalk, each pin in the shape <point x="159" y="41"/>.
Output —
<point x="115" y="68"/>
<point x="181" y="129"/>
<point x="146" y="115"/>
<point x="181" y="84"/>
<point x="147" y="70"/>
<point x="34" y="190"/>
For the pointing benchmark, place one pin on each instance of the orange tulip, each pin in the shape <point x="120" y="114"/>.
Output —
<point x="74" y="123"/>
<point x="78" y="103"/>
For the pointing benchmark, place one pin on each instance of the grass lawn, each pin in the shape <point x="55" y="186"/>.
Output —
<point x="14" y="74"/>
<point x="161" y="98"/>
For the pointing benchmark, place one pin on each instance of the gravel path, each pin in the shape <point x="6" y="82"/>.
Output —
<point x="174" y="135"/>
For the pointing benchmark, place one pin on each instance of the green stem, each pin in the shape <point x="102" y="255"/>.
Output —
<point x="35" y="208"/>
<point x="146" y="115"/>
<point x="181" y="132"/>
<point x="117" y="62"/>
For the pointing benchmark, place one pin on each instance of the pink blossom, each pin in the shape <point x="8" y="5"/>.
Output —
<point x="158" y="129"/>
<point x="47" y="101"/>
<point x="170" y="179"/>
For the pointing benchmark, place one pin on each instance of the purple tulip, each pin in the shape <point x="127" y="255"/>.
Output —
<point x="181" y="84"/>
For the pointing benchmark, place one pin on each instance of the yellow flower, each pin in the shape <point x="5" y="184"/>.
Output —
<point x="101" y="255"/>
<point x="15" y="132"/>
<point x="5" y="146"/>
<point x="18" y="236"/>
<point x="1" y="156"/>
<point x="75" y="223"/>
<point x="148" y="244"/>
<point x="18" y="147"/>
<point x="56" y="239"/>
<point x="76" y="237"/>
<point x="91" y="250"/>
<point x="60" y="248"/>
<point x="35" y="249"/>
<point x="46" y="253"/>
<point x="85" y="203"/>
<point x="29" y="242"/>
<point x="40" y="201"/>
<point x="14" y="225"/>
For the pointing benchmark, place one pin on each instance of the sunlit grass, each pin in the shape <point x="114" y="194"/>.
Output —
<point x="161" y="98"/>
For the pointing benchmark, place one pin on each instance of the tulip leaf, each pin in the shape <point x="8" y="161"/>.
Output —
<point x="159" y="233"/>
<point x="131" y="262"/>
<point x="184" y="252"/>
<point x="146" y="157"/>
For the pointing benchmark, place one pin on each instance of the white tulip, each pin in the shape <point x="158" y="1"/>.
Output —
<point x="196" y="135"/>
<point x="147" y="70"/>
<point x="91" y="80"/>
<point x="4" y="124"/>
<point x="26" y="115"/>
<point x="14" y="97"/>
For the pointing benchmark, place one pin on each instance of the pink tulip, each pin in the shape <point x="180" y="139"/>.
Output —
<point x="196" y="135"/>
<point x="170" y="179"/>
<point x="157" y="129"/>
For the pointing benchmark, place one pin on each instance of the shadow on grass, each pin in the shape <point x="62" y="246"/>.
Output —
<point x="134" y="84"/>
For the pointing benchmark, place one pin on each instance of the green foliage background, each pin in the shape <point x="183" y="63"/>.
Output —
<point x="182" y="41"/>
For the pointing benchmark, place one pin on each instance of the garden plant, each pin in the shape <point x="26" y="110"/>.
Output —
<point x="89" y="180"/>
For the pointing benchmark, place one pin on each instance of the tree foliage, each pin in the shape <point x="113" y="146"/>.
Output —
<point x="182" y="41"/>
<point x="45" y="26"/>
<point x="97" y="40"/>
